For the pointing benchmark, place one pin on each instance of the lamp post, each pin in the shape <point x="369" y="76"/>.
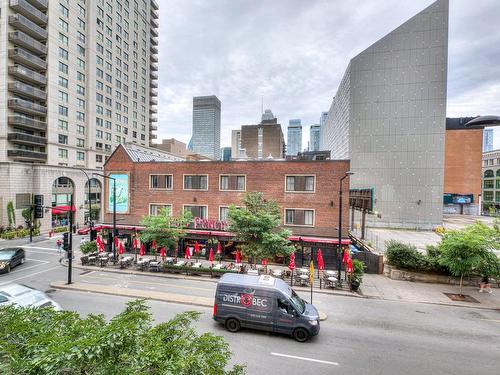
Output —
<point x="341" y="257"/>
<point x="90" y="205"/>
<point x="114" y="212"/>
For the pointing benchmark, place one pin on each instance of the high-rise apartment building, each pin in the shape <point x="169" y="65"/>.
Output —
<point x="488" y="140"/>
<point x="322" y="121"/>
<point x="77" y="78"/>
<point x="314" y="138"/>
<point x="294" y="145"/>
<point x="388" y="117"/>
<point x="206" y="126"/>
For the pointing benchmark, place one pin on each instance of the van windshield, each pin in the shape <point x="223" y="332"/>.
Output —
<point x="297" y="302"/>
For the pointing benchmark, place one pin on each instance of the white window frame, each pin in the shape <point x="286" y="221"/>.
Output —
<point x="194" y="174"/>
<point x="161" y="174"/>
<point x="299" y="225"/>
<point x="301" y="192"/>
<point x="160" y="204"/>
<point x="197" y="205"/>
<point x="229" y="175"/>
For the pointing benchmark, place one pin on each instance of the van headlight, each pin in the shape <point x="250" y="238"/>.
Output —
<point x="313" y="322"/>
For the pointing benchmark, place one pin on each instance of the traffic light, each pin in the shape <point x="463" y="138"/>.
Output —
<point x="66" y="241"/>
<point x="38" y="202"/>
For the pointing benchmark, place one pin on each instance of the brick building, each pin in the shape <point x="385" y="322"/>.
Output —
<point x="306" y="191"/>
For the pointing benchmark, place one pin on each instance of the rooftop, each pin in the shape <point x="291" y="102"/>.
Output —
<point x="143" y="154"/>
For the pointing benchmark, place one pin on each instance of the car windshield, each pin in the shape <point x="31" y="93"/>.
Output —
<point x="6" y="255"/>
<point x="297" y="302"/>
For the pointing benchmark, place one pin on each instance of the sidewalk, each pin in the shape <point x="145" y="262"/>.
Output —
<point x="382" y="287"/>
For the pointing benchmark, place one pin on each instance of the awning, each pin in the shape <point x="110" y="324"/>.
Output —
<point x="60" y="210"/>
<point x="345" y="241"/>
<point x="210" y="233"/>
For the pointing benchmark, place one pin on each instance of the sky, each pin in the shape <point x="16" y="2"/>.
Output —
<point x="292" y="55"/>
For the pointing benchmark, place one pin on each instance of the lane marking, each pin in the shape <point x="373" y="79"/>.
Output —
<point x="17" y="270"/>
<point x="41" y="248"/>
<point x="305" y="359"/>
<point x="31" y="274"/>
<point x="491" y="320"/>
<point x="144" y="282"/>
<point x="43" y="252"/>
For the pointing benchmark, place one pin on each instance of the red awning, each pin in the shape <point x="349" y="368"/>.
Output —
<point x="59" y="210"/>
<point x="210" y="233"/>
<point x="345" y="241"/>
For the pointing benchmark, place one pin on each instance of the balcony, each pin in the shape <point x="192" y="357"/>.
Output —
<point x="153" y="101"/>
<point x="154" y="5"/>
<point x="27" y="155"/>
<point x="152" y="136"/>
<point x="154" y="31"/>
<point x="28" y="75"/>
<point x="154" y="41"/>
<point x="153" y="67"/>
<point x="154" y="13"/>
<point x="22" y="23"/>
<point x="24" y="40"/>
<point x="153" y="110"/>
<point x="40" y="4"/>
<point x="28" y="10"/>
<point x="153" y="75"/>
<point x="152" y="119"/>
<point x="26" y="58"/>
<point x="153" y="127"/>
<point x="153" y="92"/>
<point x="153" y="49"/>
<point x="27" y="139"/>
<point x="27" y="123"/>
<point x="154" y="23"/>
<point x="153" y="84"/>
<point x="27" y="107"/>
<point x="154" y="58"/>
<point x="27" y="90"/>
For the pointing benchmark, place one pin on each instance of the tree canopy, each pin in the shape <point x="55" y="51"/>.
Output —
<point x="164" y="228"/>
<point x="257" y="225"/>
<point x="44" y="341"/>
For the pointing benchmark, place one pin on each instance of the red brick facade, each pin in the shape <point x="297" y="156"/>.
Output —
<point x="267" y="177"/>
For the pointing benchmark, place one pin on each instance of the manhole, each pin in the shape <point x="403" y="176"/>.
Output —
<point x="461" y="298"/>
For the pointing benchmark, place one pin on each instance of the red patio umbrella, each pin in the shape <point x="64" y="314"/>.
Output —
<point x="211" y="255"/>
<point x="116" y="242"/>
<point x="101" y="247"/>
<point x="153" y="244"/>
<point x="98" y="241"/>
<point x="238" y="256"/>
<point x="163" y="254"/>
<point x="196" y="248"/>
<point x="142" y="251"/>
<point x="187" y="253"/>
<point x="121" y="250"/>
<point x="264" y="262"/>
<point x="349" y="265"/>
<point x="219" y="248"/>
<point x="320" y="261"/>
<point x="346" y="257"/>
<point x="291" y="265"/>
<point x="135" y="243"/>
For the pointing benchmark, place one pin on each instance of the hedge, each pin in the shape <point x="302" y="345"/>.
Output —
<point x="60" y="229"/>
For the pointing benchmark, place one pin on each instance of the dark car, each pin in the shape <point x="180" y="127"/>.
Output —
<point x="11" y="257"/>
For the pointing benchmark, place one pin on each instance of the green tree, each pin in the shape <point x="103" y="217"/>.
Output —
<point x="44" y="341"/>
<point x="88" y="247"/>
<point x="469" y="251"/>
<point x="164" y="228"/>
<point x="257" y="225"/>
<point x="11" y="215"/>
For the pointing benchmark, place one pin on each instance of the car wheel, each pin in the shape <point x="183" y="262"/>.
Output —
<point x="301" y="335"/>
<point x="23" y="260"/>
<point x="7" y="269"/>
<point x="233" y="325"/>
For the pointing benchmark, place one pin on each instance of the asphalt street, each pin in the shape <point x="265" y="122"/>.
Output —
<point x="360" y="336"/>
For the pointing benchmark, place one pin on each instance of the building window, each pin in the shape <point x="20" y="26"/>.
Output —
<point x="63" y="68"/>
<point x="489" y="174"/>
<point x="303" y="184"/>
<point x="223" y="213"/>
<point x="63" y="125"/>
<point x="63" y="82"/>
<point x="232" y="183"/>
<point x="80" y="142"/>
<point x="299" y="217"/>
<point x="160" y="181"/>
<point x="63" y="139"/>
<point x="63" y="153"/>
<point x="196" y="182"/>
<point x="155" y="208"/>
<point x="197" y="211"/>
<point x="488" y="184"/>
<point x="488" y="196"/>
<point x="98" y="158"/>
<point x="80" y="156"/>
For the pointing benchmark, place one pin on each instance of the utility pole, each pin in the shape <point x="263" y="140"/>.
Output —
<point x="70" y="250"/>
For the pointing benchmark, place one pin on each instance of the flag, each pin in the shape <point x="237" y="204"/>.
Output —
<point x="211" y="255"/>
<point x="311" y="272"/>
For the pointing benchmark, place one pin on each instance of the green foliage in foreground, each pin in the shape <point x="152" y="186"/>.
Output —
<point x="44" y="341"/>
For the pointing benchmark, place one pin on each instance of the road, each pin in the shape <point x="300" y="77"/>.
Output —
<point x="360" y="336"/>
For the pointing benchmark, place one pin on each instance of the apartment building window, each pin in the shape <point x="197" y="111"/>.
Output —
<point x="63" y="96"/>
<point x="80" y="156"/>
<point x="63" y="153"/>
<point x="63" y="111"/>
<point x="160" y="181"/>
<point x="488" y="196"/>
<point x="64" y="11"/>
<point x="80" y="116"/>
<point x="63" y="125"/>
<point x="223" y="213"/>
<point x="197" y="211"/>
<point x="63" y="39"/>
<point x="300" y="217"/>
<point x="63" y="68"/>
<point x="63" y="139"/>
<point x="80" y="77"/>
<point x="80" y="129"/>
<point x="80" y="37"/>
<point x="98" y="158"/>
<point x="80" y="50"/>
<point x="230" y="182"/>
<point x="80" y="90"/>
<point x="156" y="208"/>
<point x="63" y="82"/>
<point x="300" y="184"/>
<point x="488" y="184"/>
<point x="98" y="134"/>
<point x="63" y="54"/>
<point x="195" y="182"/>
<point x="80" y="142"/>
<point x="81" y="63"/>
<point x="81" y="10"/>
<point x="63" y="24"/>
<point x="81" y="23"/>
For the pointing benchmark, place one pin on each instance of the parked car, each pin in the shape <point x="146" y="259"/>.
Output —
<point x="11" y="257"/>
<point x="86" y="230"/>
<point x="21" y="295"/>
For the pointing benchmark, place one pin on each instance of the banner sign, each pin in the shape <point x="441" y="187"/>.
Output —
<point x="199" y="223"/>
<point x="122" y="193"/>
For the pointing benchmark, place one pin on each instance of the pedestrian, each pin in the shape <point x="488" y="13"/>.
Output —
<point x="83" y="240"/>
<point x="59" y="246"/>
<point x="484" y="285"/>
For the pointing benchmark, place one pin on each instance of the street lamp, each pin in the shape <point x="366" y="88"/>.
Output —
<point x="340" y="258"/>
<point x="90" y="205"/>
<point x="114" y="212"/>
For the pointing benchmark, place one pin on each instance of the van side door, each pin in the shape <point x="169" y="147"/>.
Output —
<point x="284" y="316"/>
<point x="260" y="307"/>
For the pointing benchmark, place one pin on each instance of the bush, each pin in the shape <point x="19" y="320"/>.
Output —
<point x="358" y="270"/>
<point x="88" y="247"/>
<point x="404" y="256"/>
<point x="60" y="229"/>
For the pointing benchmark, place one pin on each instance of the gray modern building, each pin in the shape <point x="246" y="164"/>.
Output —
<point x="294" y="145"/>
<point x="206" y="126"/>
<point x="268" y="115"/>
<point x="487" y="140"/>
<point x="314" y="138"/>
<point x="226" y="154"/>
<point x="388" y="117"/>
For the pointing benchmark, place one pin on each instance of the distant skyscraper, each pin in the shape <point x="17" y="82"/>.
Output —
<point x="267" y="115"/>
<point x="322" y="122"/>
<point x="206" y="126"/>
<point x="294" y="145"/>
<point x="314" y="137"/>
<point x="226" y="153"/>
<point x="487" y="140"/>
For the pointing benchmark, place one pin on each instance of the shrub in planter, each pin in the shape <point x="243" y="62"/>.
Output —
<point x="60" y="229"/>
<point x="88" y="247"/>
<point x="358" y="268"/>
<point x="404" y="256"/>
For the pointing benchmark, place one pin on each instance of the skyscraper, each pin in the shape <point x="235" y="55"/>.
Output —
<point x="487" y="140"/>
<point x="294" y="145"/>
<point x="314" y="137"/>
<point x="77" y="79"/>
<point x="267" y="115"/>
<point x="322" y="121"/>
<point x="206" y="126"/>
<point x="392" y="125"/>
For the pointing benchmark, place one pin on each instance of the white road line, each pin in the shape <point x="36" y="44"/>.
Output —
<point x="17" y="270"/>
<point x="40" y="248"/>
<point x="305" y="359"/>
<point x="31" y="274"/>
<point x="43" y="252"/>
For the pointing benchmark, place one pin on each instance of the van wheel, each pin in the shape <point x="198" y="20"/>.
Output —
<point x="23" y="260"/>
<point x="301" y="335"/>
<point x="7" y="270"/>
<point x="233" y="325"/>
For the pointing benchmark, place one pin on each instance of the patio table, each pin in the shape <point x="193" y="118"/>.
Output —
<point x="154" y="266"/>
